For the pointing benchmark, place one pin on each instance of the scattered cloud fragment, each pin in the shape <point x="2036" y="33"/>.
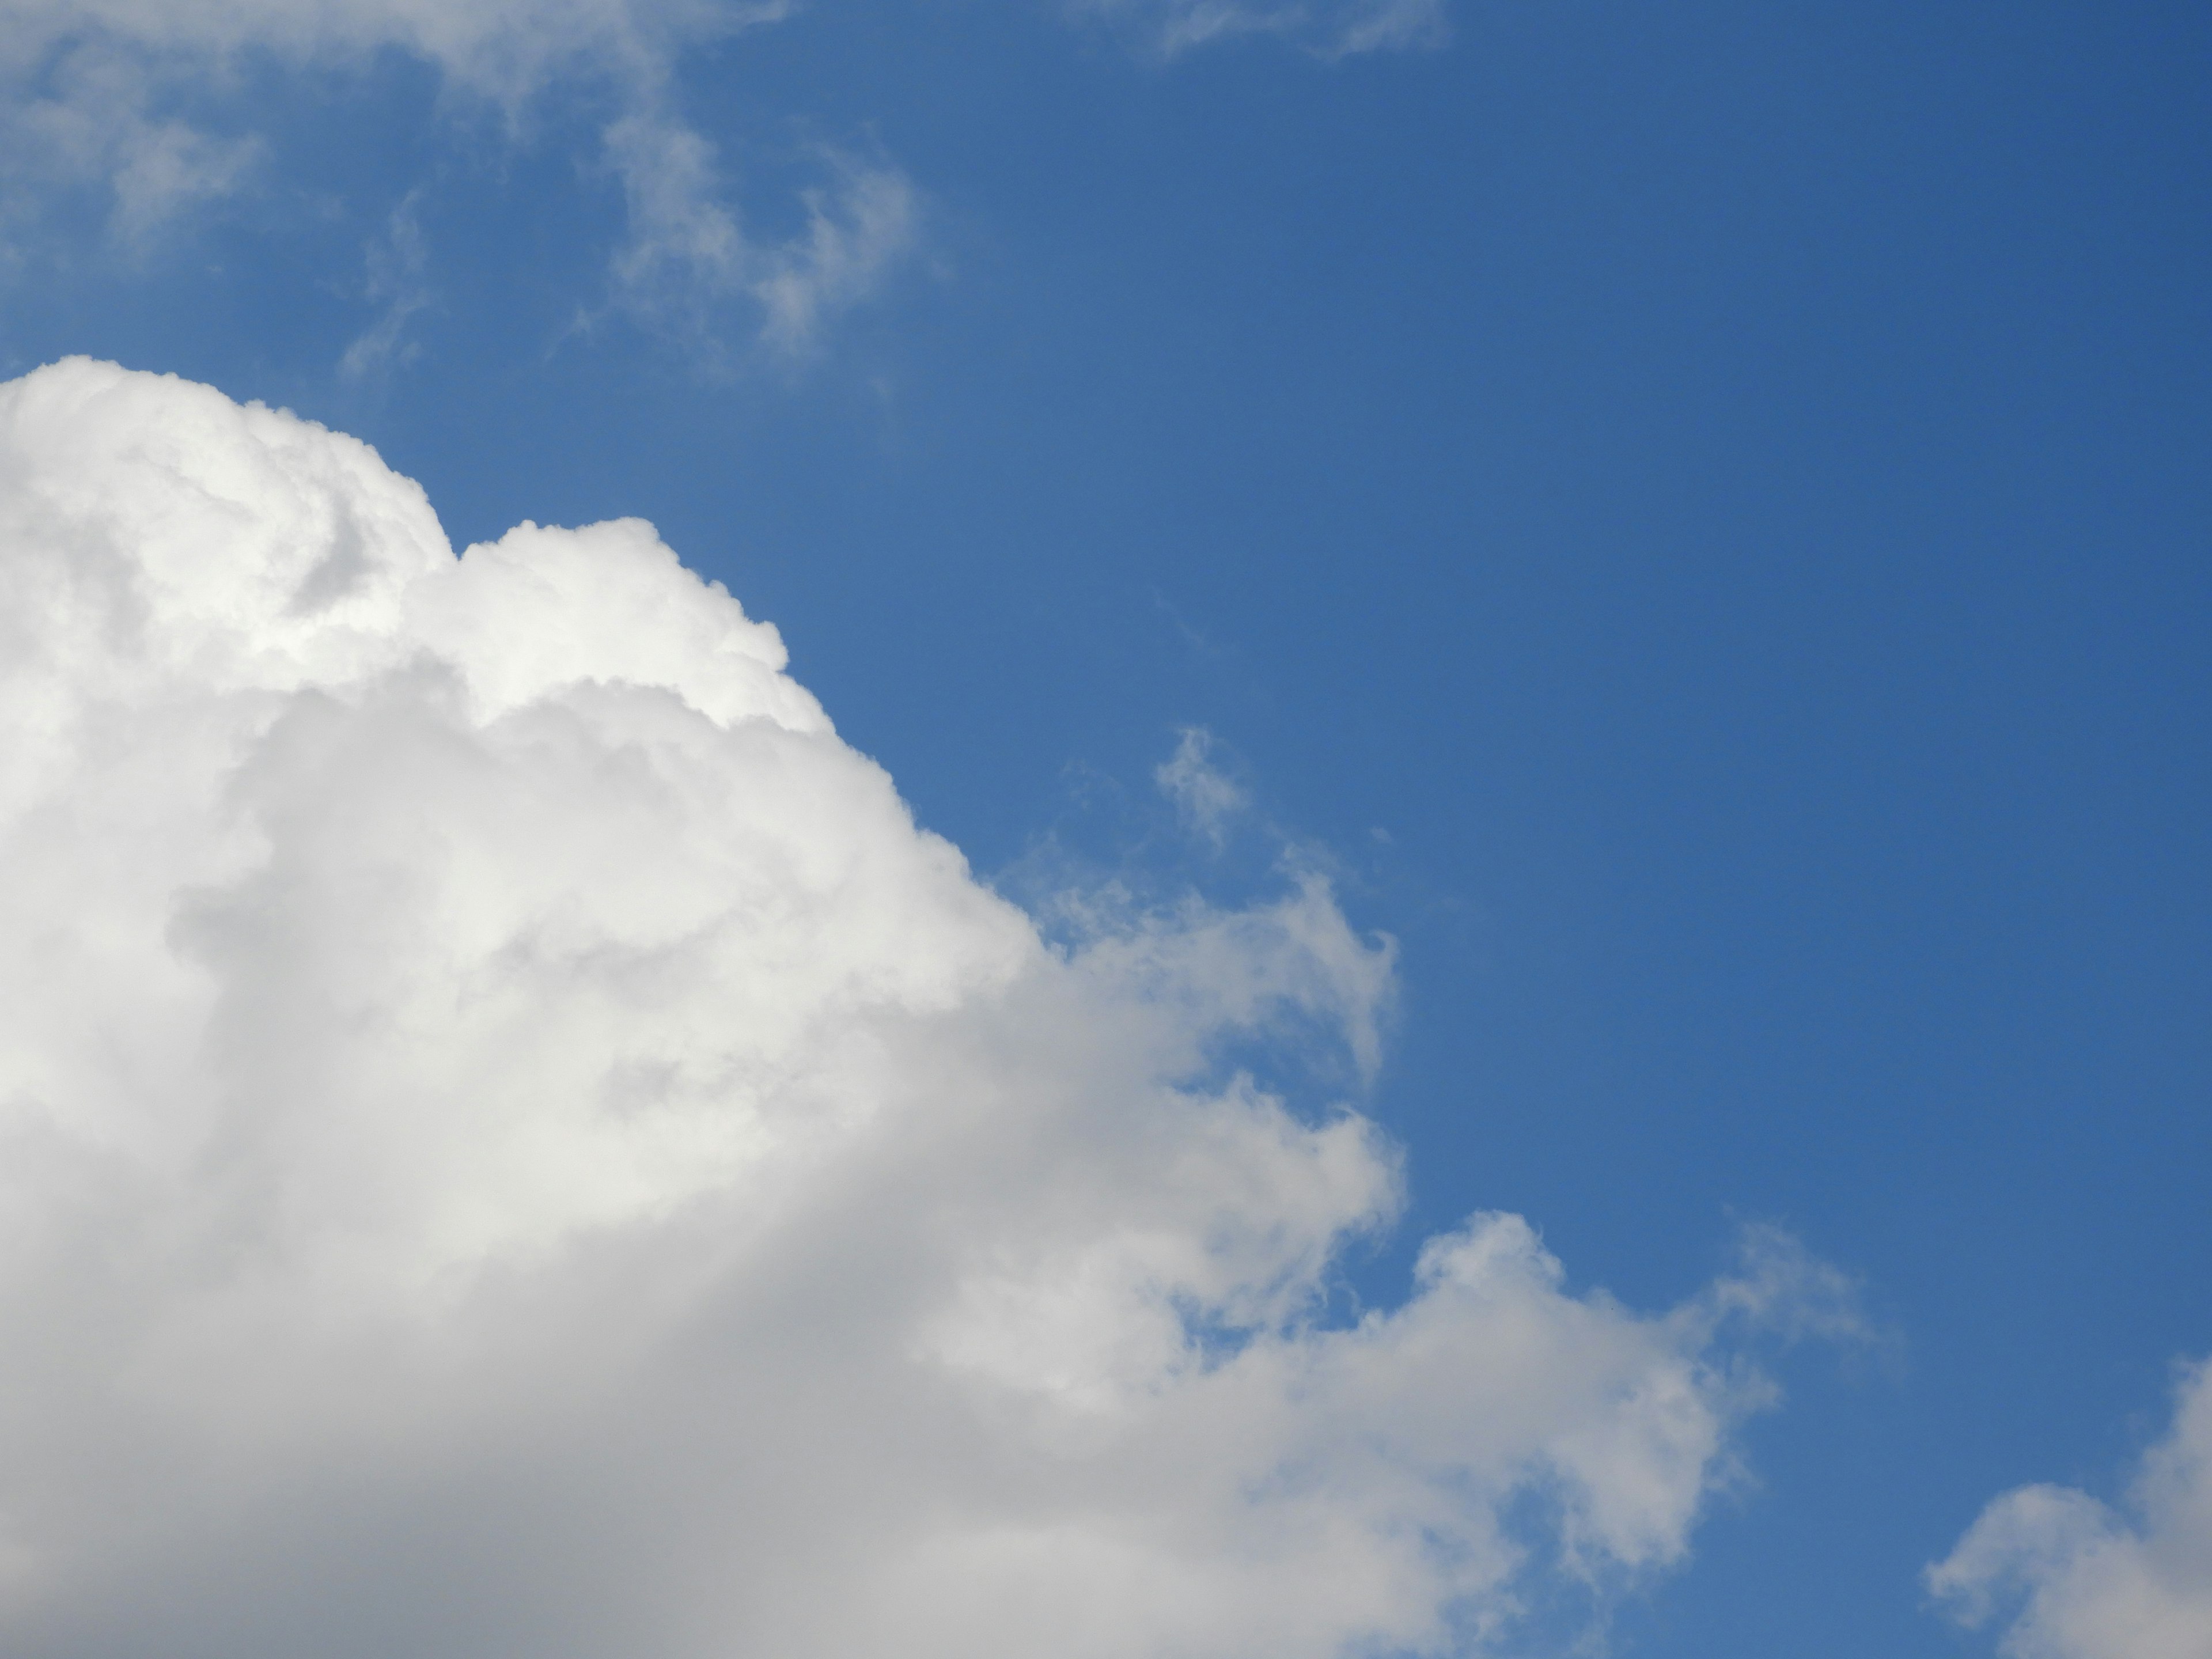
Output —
<point x="79" y="116"/>
<point x="688" y="253"/>
<point x="398" y="261"/>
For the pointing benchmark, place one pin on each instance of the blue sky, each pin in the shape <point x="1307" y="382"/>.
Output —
<point x="1695" y="514"/>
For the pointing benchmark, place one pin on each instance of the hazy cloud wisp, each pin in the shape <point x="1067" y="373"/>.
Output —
<point x="397" y="261"/>
<point x="1206" y="799"/>
<point x="687" y="252"/>
<point x="1328" y="28"/>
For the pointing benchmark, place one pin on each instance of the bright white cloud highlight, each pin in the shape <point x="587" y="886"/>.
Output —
<point x="2078" y="1579"/>
<point x="513" y="1142"/>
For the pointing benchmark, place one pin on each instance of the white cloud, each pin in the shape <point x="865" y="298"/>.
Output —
<point x="2078" y="1579"/>
<point x="514" y="1141"/>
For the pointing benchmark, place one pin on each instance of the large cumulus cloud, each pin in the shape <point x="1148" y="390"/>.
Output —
<point x="2075" y="1579"/>
<point x="513" y="1142"/>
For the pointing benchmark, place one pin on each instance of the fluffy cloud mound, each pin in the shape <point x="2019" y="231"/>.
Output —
<point x="512" y="1142"/>
<point x="2082" y="1582"/>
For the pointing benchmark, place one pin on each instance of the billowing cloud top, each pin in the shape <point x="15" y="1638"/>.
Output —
<point x="515" y="1143"/>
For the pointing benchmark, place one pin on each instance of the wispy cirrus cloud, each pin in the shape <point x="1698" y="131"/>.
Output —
<point x="398" y="263"/>
<point x="687" y="254"/>
<point x="96" y="119"/>
<point x="1205" y="798"/>
<point x="1328" y="28"/>
<point x="112" y="96"/>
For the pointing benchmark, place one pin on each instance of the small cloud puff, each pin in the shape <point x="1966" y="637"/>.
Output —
<point x="2078" y="1579"/>
<point x="512" y="1140"/>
